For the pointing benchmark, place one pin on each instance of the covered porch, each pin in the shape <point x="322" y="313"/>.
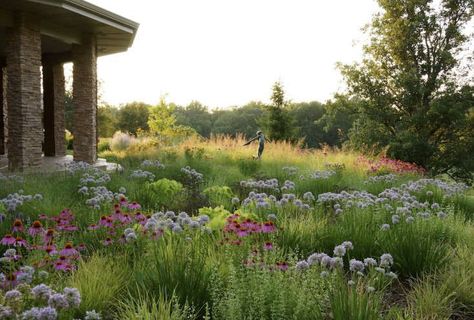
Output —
<point x="36" y="38"/>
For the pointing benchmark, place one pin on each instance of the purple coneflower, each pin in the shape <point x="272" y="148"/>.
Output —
<point x="69" y="250"/>
<point x="20" y="242"/>
<point x="8" y="240"/>
<point x="17" y="226"/>
<point x="268" y="246"/>
<point x="107" y="242"/>
<point x="35" y="229"/>
<point x="134" y="206"/>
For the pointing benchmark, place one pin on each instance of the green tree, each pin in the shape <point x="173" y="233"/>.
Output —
<point x="278" y="123"/>
<point x="162" y="123"/>
<point x="414" y="101"/>
<point x="107" y="118"/>
<point x="196" y="116"/>
<point x="306" y="115"/>
<point x="239" y="120"/>
<point x="133" y="116"/>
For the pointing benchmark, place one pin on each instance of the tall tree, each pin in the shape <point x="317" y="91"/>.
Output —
<point x="133" y="117"/>
<point x="414" y="100"/>
<point x="278" y="123"/>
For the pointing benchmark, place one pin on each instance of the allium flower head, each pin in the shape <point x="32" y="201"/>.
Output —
<point x="340" y="251"/>
<point x="41" y="291"/>
<point x="92" y="315"/>
<point x="58" y="301"/>
<point x="356" y="265"/>
<point x="301" y="265"/>
<point x="13" y="295"/>
<point x="72" y="296"/>
<point x="385" y="227"/>
<point x="386" y="260"/>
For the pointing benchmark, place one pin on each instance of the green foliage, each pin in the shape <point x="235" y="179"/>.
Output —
<point x="162" y="123"/>
<point x="217" y="216"/>
<point x="175" y="265"/>
<point x="143" y="306"/>
<point x="107" y="120"/>
<point x="429" y="301"/>
<point x="195" y="116"/>
<point x="167" y="192"/>
<point x="354" y="302"/>
<point x="133" y="116"/>
<point x="254" y="293"/>
<point x="239" y="120"/>
<point x="100" y="280"/>
<point x="278" y="124"/>
<point x="249" y="167"/>
<point x="219" y="196"/>
<point x="413" y="98"/>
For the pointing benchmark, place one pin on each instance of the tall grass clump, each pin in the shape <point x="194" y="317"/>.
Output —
<point x="101" y="280"/>
<point x="121" y="141"/>
<point x="353" y="301"/>
<point x="429" y="301"/>
<point x="419" y="247"/>
<point x="143" y="306"/>
<point x="178" y="265"/>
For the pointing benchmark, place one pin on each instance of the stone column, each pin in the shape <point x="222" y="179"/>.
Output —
<point x="85" y="100"/>
<point x="25" y="130"/>
<point x="54" y="104"/>
<point x="2" y="113"/>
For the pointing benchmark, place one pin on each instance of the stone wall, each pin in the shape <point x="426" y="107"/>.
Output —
<point x="25" y="129"/>
<point x="85" y="100"/>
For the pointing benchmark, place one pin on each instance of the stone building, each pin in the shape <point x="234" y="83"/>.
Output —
<point x="36" y="38"/>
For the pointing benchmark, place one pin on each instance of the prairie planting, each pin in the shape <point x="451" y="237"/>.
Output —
<point x="200" y="230"/>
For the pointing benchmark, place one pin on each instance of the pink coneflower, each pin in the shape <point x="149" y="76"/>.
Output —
<point x="283" y="266"/>
<point x="17" y="226"/>
<point x="35" y="229"/>
<point x="268" y="227"/>
<point x="93" y="227"/>
<point x="156" y="234"/>
<point x="81" y="247"/>
<point x="69" y="250"/>
<point x="242" y="232"/>
<point x="125" y="218"/>
<point x="106" y="221"/>
<point x="123" y="201"/>
<point x="107" y="242"/>
<point x="43" y="217"/>
<point x="140" y="217"/>
<point x="8" y="240"/>
<point x="237" y="242"/>
<point x="268" y="246"/>
<point x="51" y="249"/>
<point x="61" y="265"/>
<point x="134" y="206"/>
<point x="48" y="236"/>
<point x="20" y="242"/>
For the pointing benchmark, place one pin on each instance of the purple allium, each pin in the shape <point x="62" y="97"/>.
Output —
<point x="58" y="301"/>
<point x="41" y="291"/>
<point x="409" y="219"/>
<point x="395" y="219"/>
<point x="92" y="315"/>
<point x="12" y="295"/>
<point x="301" y="265"/>
<point x="369" y="262"/>
<point x="32" y="314"/>
<point x="336" y="262"/>
<point x="348" y="245"/>
<point x="340" y="251"/>
<point x="315" y="258"/>
<point x="386" y="260"/>
<point x="235" y="201"/>
<point x="392" y="275"/>
<point x="385" y="227"/>
<point x="442" y="215"/>
<point x="48" y="313"/>
<point x="72" y="296"/>
<point x="381" y="270"/>
<point x="356" y="265"/>
<point x="324" y="274"/>
<point x="370" y="289"/>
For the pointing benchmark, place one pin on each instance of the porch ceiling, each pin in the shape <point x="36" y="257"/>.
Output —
<point x="64" y="21"/>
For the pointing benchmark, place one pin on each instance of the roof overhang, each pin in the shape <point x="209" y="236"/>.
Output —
<point x="66" y="21"/>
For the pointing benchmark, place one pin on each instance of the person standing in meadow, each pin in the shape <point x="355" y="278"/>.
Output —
<point x="261" y="143"/>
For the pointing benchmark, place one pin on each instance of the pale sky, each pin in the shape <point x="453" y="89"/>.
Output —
<point x="229" y="52"/>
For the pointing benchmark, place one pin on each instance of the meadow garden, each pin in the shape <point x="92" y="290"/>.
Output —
<point x="199" y="230"/>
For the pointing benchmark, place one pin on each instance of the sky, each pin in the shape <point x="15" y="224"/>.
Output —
<point x="226" y="53"/>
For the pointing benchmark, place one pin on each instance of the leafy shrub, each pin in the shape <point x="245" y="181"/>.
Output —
<point x="257" y="293"/>
<point x="219" y="196"/>
<point x="104" y="145"/>
<point x="217" y="215"/>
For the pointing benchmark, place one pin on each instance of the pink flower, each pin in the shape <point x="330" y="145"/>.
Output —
<point x="8" y="240"/>
<point x="69" y="250"/>
<point x="268" y="227"/>
<point x="20" y="242"/>
<point x="134" y="206"/>
<point x="268" y="246"/>
<point x="35" y="229"/>
<point x="283" y="266"/>
<point x="93" y="227"/>
<point x="107" y="242"/>
<point x="123" y="201"/>
<point x="48" y="236"/>
<point x="50" y="250"/>
<point x="17" y="226"/>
